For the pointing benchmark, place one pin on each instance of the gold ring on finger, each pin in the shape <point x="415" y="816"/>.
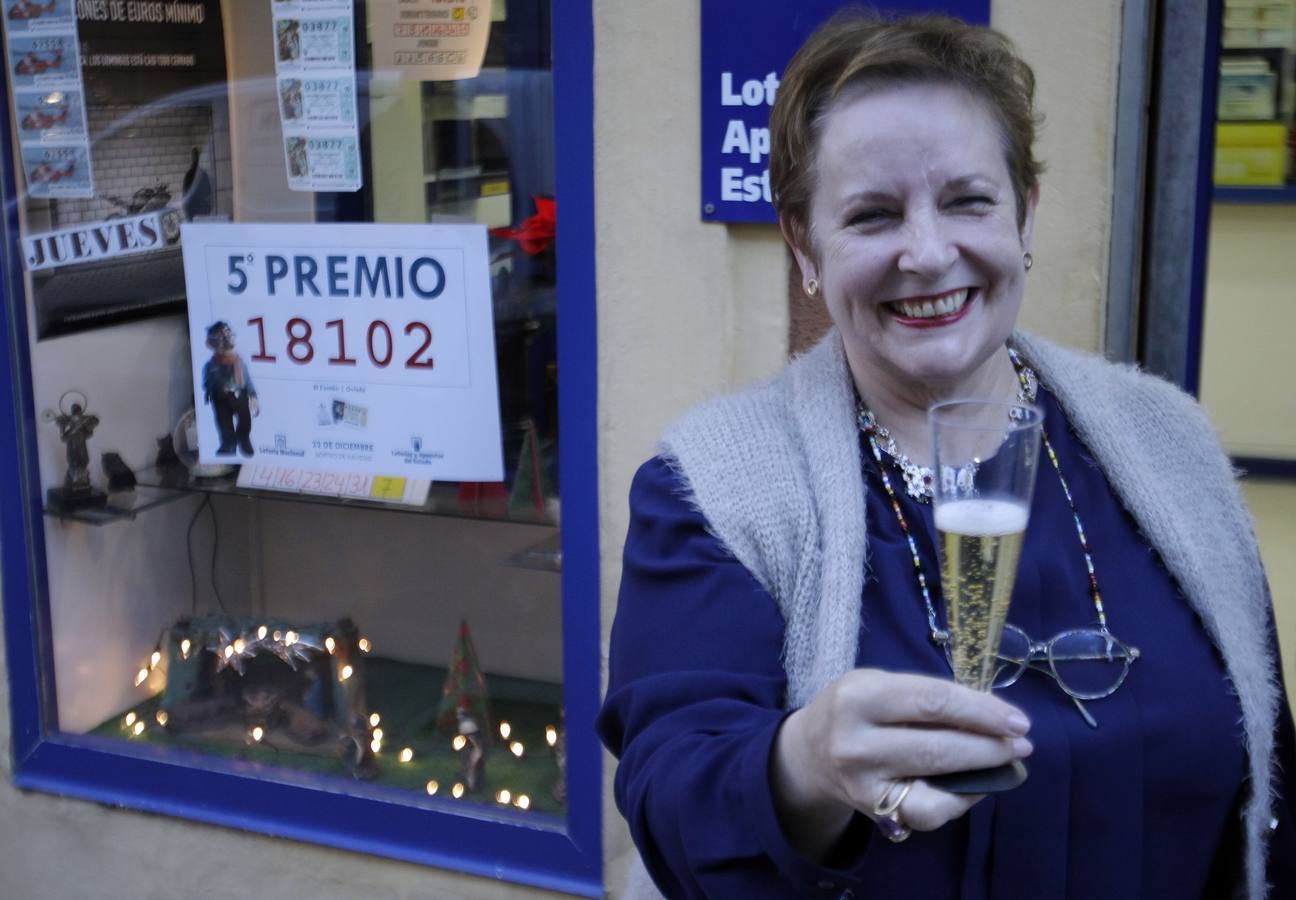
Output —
<point x="887" y="811"/>
<point x="893" y="796"/>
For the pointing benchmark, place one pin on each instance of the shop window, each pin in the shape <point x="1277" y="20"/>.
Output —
<point x="230" y="592"/>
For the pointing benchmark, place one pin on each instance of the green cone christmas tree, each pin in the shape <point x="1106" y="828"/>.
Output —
<point x="464" y="692"/>
<point x="531" y="485"/>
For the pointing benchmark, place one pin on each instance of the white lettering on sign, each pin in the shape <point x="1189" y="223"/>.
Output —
<point x="739" y="188"/>
<point x="94" y="241"/>
<point x="754" y="143"/>
<point x="754" y="91"/>
<point x="751" y="141"/>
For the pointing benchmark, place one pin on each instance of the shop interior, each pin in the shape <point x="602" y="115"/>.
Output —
<point x="416" y="647"/>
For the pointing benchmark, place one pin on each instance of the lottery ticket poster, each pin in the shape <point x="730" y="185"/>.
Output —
<point x="44" y="59"/>
<point x="50" y="115"/>
<point x="319" y="162"/>
<point x="345" y="347"/>
<point x="314" y="43"/>
<point x="57" y="170"/>
<point x="307" y="102"/>
<point x="39" y="16"/>
<point x="429" y="40"/>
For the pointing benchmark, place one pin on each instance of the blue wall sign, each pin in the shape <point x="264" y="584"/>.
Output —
<point x="746" y="44"/>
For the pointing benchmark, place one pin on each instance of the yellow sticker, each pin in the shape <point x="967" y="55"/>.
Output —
<point x="494" y="188"/>
<point x="387" y="488"/>
<point x="458" y="14"/>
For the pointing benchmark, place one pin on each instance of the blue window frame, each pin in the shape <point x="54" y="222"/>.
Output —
<point x="561" y="853"/>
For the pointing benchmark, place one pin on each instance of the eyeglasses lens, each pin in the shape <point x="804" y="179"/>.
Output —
<point x="1089" y="664"/>
<point x="1014" y="651"/>
<point x="1086" y="663"/>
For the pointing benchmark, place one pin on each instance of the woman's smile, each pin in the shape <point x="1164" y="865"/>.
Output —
<point x="932" y="311"/>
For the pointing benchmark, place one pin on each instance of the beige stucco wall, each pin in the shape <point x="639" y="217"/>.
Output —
<point x="1074" y="50"/>
<point x="688" y="309"/>
<point x="685" y="310"/>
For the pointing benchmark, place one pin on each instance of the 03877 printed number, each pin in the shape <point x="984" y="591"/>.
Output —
<point x="380" y="345"/>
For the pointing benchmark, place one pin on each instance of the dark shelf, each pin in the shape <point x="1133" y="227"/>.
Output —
<point x="1285" y="194"/>
<point x="158" y="487"/>
<point x="443" y="499"/>
<point x="121" y="506"/>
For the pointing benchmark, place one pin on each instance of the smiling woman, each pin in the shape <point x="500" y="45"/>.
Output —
<point x="914" y="239"/>
<point x="779" y="645"/>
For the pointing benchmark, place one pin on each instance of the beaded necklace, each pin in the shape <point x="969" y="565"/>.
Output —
<point x="919" y="480"/>
<point x="868" y="425"/>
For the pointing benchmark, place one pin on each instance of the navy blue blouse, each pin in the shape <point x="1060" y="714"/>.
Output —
<point x="1143" y="806"/>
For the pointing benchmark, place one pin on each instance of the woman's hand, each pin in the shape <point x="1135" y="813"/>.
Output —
<point x="870" y="728"/>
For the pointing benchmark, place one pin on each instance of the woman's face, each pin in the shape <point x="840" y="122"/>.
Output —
<point x="913" y="234"/>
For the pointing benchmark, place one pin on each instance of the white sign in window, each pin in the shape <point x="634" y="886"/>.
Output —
<point x="360" y="348"/>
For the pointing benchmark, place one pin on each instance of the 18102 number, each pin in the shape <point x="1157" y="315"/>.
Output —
<point x="379" y="343"/>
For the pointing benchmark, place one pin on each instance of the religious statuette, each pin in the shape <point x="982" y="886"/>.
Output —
<point x="75" y="426"/>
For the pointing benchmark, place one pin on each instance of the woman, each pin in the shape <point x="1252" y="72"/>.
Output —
<point x="777" y="694"/>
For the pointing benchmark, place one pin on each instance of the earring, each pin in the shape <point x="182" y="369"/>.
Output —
<point x="811" y="286"/>
<point x="1028" y="260"/>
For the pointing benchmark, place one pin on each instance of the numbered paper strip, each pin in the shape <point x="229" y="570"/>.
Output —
<point x="344" y="485"/>
<point x="357" y="348"/>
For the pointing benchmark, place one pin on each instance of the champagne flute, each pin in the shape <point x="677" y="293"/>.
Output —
<point x="986" y="456"/>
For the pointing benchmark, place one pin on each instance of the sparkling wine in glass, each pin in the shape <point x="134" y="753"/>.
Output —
<point x="986" y="456"/>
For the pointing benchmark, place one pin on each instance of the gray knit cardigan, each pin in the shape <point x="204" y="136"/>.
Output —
<point x="775" y="469"/>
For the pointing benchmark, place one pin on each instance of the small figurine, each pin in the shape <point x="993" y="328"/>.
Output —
<point x="472" y="758"/>
<point x="356" y="751"/>
<point x="196" y="190"/>
<point x="76" y="426"/>
<point x="166" y="453"/>
<point x="229" y="389"/>
<point x="559" y="747"/>
<point x="120" y="476"/>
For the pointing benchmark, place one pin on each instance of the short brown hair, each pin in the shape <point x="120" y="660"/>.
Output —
<point x="856" y="47"/>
